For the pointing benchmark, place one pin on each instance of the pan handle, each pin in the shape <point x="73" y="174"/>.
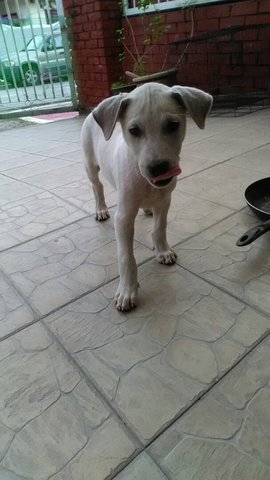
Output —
<point x="253" y="233"/>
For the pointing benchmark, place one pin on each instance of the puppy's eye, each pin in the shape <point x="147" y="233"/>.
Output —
<point x="135" y="131"/>
<point x="172" y="126"/>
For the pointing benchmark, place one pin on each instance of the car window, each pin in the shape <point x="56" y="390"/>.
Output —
<point x="58" y="41"/>
<point x="49" y="44"/>
<point x="35" y="42"/>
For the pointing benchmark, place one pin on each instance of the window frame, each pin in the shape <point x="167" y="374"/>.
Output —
<point x="169" y="5"/>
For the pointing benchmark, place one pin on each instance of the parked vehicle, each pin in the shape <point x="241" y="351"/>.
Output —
<point x="14" y="38"/>
<point x="43" y="58"/>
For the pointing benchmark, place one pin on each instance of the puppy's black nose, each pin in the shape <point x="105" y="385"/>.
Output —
<point x="158" y="167"/>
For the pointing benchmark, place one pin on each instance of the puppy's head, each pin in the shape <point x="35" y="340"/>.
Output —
<point x="153" y="121"/>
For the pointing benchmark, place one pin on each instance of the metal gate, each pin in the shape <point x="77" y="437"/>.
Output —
<point x="35" y="66"/>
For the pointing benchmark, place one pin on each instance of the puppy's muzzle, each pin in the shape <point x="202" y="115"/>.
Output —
<point x="161" y="173"/>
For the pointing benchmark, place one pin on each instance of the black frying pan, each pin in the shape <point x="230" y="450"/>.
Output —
<point x="258" y="199"/>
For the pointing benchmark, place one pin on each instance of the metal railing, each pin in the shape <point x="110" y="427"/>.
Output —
<point x="35" y="66"/>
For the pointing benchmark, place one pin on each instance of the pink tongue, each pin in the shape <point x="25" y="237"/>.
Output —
<point x="171" y="173"/>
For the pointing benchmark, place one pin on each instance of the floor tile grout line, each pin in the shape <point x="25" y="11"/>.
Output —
<point x="57" y="309"/>
<point x="78" y="124"/>
<point x="88" y="292"/>
<point x="62" y="157"/>
<point x="51" y="192"/>
<point x="211" y="387"/>
<point x="18" y="330"/>
<point x="233" y="212"/>
<point x="140" y="446"/>
<point x="162" y="469"/>
<point x="225" y="161"/>
<point x="46" y="157"/>
<point x="145" y="447"/>
<point x="221" y="132"/>
<point x="38" y="237"/>
<point x="18" y="153"/>
<point x="91" y="384"/>
<point x="175" y="419"/>
<point x="223" y="290"/>
<point x="188" y="176"/>
<point x="86" y="215"/>
<point x="116" y="470"/>
<point x="70" y="203"/>
<point x="76" y="129"/>
<point x="252" y="150"/>
<point x="36" y="315"/>
<point x="124" y="422"/>
<point x="206" y="138"/>
<point x="41" y="189"/>
<point x="153" y="460"/>
<point x="24" y="180"/>
<point x="193" y="235"/>
<point x="44" y="190"/>
<point x="89" y="215"/>
<point x="182" y="242"/>
<point x="213" y="202"/>
<point x="40" y="317"/>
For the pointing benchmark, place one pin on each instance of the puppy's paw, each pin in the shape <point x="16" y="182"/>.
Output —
<point x="102" y="215"/>
<point x="126" y="298"/>
<point x="168" y="257"/>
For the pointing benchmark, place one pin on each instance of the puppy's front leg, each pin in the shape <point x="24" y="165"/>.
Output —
<point x="164" y="254"/>
<point x="127" y="292"/>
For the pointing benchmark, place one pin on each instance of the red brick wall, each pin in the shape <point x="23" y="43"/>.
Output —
<point x="92" y="28"/>
<point x="233" y="63"/>
<point x="95" y="49"/>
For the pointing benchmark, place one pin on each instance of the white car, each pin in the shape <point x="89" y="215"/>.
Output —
<point x="43" y="58"/>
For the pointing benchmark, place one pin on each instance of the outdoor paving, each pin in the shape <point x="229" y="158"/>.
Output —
<point x="179" y="388"/>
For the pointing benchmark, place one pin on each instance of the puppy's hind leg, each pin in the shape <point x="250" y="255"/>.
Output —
<point x="102" y="212"/>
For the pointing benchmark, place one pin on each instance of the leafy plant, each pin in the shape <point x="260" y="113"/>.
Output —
<point x="117" y="84"/>
<point x="153" y="31"/>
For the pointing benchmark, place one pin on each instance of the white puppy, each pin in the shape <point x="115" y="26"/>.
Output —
<point x="135" y="139"/>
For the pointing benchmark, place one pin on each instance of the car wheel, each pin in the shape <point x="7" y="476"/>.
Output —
<point x="31" y="75"/>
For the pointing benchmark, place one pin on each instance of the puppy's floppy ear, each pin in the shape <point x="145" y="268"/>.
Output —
<point x="107" y="113"/>
<point x="196" y="102"/>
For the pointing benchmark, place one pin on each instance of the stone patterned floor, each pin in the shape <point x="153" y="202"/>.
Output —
<point x="178" y="389"/>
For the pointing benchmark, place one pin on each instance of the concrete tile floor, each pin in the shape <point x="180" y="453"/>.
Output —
<point x="178" y="389"/>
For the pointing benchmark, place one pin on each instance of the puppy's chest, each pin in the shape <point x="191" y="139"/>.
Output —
<point x="153" y="196"/>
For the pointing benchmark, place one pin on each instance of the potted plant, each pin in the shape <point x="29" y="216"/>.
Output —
<point x="141" y="56"/>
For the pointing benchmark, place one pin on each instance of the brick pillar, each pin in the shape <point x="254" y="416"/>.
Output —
<point x="92" y="26"/>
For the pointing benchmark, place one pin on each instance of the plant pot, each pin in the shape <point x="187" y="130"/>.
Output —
<point x="126" y="88"/>
<point x="167" y="77"/>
